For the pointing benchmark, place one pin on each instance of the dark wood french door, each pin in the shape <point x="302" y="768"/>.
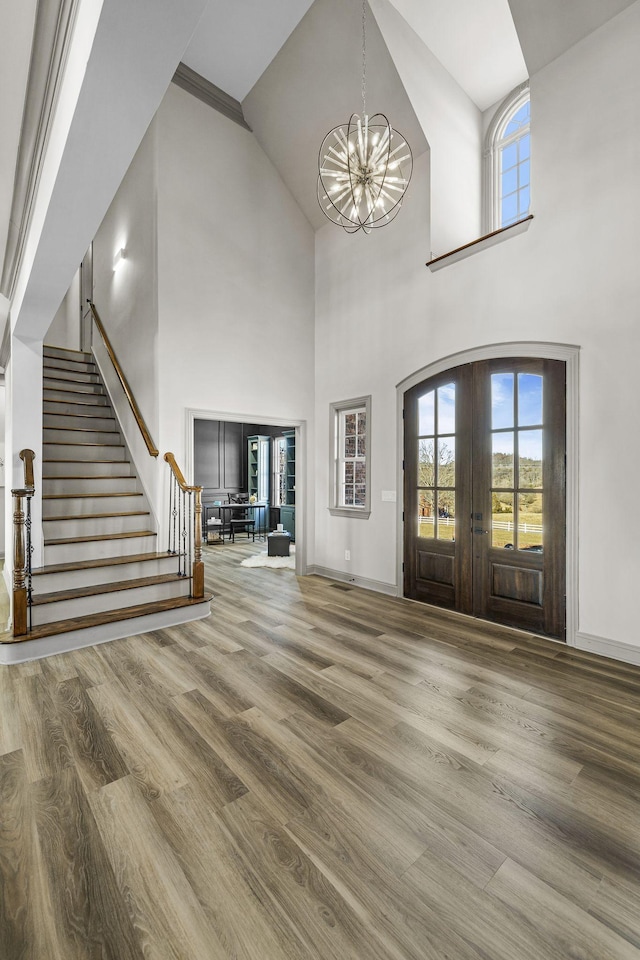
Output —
<point x="484" y="492"/>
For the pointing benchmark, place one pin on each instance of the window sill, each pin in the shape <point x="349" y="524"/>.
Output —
<point x="482" y="243"/>
<point x="358" y="514"/>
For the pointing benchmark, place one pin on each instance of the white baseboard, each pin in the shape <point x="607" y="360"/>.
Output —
<point x="608" y="648"/>
<point x="23" y="650"/>
<point x="378" y="586"/>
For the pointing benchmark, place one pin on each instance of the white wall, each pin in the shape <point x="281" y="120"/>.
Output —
<point x="236" y="277"/>
<point x="452" y="125"/>
<point x="65" y="326"/>
<point x="572" y="278"/>
<point x="126" y="299"/>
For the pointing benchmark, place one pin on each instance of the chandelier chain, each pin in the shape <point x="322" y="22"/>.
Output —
<point x="364" y="60"/>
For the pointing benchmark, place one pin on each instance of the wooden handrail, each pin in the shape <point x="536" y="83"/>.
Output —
<point x="28" y="456"/>
<point x="177" y="472"/>
<point x="144" y="430"/>
<point x="197" y="569"/>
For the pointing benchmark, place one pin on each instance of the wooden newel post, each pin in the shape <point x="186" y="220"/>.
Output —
<point x="19" y="564"/>
<point x="198" y="565"/>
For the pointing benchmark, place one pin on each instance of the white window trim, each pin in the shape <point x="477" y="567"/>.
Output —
<point x="491" y="193"/>
<point x="335" y="509"/>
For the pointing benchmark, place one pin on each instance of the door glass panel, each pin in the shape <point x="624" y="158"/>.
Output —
<point x="446" y="515"/>
<point x="502" y="527"/>
<point x="447" y="462"/>
<point x="447" y="408"/>
<point x="501" y="400"/>
<point x="530" y="522"/>
<point x="426" y="415"/>
<point x="426" y="526"/>
<point x="426" y="464"/>
<point x="502" y="465"/>
<point x="530" y="458"/>
<point x="529" y="399"/>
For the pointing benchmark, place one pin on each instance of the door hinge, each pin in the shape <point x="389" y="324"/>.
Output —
<point x="403" y="516"/>
<point x="403" y="567"/>
<point x="403" y="464"/>
<point x="403" y="413"/>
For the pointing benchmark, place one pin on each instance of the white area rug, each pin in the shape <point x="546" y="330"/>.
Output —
<point x="262" y="560"/>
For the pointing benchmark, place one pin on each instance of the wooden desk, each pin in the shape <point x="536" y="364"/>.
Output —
<point x="231" y="508"/>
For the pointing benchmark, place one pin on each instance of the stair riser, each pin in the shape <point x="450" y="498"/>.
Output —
<point x="53" y="485"/>
<point x="83" y="366"/>
<point x="83" y="606"/>
<point x="51" y="351"/>
<point x="71" y="396"/>
<point x="60" y="435"/>
<point x="74" y="552"/>
<point x="90" y="576"/>
<point x="71" y="385"/>
<point x="84" y="527"/>
<point x="76" y="507"/>
<point x="82" y="376"/>
<point x="75" y="421"/>
<point x="75" y="451"/>
<point x="68" y="408"/>
<point x="83" y="468"/>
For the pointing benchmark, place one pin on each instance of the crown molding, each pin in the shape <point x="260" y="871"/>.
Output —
<point x="213" y="96"/>
<point x="52" y="39"/>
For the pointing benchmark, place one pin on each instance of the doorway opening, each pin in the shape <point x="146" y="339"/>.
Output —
<point x="252" y="474"/>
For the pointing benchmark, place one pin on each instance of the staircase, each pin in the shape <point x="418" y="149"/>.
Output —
<point x="103" y="575"/>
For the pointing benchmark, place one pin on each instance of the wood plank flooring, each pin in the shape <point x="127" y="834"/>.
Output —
<point x="317" y="772"/>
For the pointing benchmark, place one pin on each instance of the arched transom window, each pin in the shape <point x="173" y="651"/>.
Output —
<point x="509" y="158"/>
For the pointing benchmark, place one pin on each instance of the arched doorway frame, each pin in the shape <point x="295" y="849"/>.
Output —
<point x="570" y="354"/>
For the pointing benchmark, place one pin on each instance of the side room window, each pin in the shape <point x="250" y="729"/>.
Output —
<point x="350" y="493"/>
<point x="508" y="162"/>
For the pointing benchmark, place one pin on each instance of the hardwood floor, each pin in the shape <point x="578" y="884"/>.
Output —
<point x="321" y="772"/>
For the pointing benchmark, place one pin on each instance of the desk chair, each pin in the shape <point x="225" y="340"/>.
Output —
<point x="241" y="522"/>
<point x="244" y="525"/>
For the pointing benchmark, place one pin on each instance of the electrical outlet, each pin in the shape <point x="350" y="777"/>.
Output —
<point x="347" y="554"/>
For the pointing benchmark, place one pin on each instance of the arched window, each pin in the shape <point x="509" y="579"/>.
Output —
<point x="507" y="158"/>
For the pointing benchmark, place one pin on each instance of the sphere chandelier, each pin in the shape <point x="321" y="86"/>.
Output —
<point x="364" y="167"/>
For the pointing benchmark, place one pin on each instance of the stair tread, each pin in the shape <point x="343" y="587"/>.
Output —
<point x="85" y="429"/>
<point x="90" y="476"/>
<point x="109" y="616"/>
<point x="49" y="365"/>
<point x="98" y="516"/>
<point x="127" y="535"/>
<point x="77" y="403"/>
<point x="76" y="496"/>
<point x="79" y="443"/>
<point x="74" y="373"/>
<point x="84" y="416"/>
<point x="52" y="346"/>
<point x="76" y="593"/>
<point x="101" y="562"/>
<point x="81" y="393"/>
<point x="61" y="460"/>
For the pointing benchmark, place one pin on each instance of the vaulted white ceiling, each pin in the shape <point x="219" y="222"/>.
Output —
<point x="488" y="46"/>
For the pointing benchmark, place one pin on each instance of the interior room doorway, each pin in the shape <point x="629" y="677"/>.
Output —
<point x="484" y="492"/>
<point x="242" y="458"/>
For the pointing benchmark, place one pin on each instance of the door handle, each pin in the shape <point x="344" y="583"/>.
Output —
<point x="479" y="530"/>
